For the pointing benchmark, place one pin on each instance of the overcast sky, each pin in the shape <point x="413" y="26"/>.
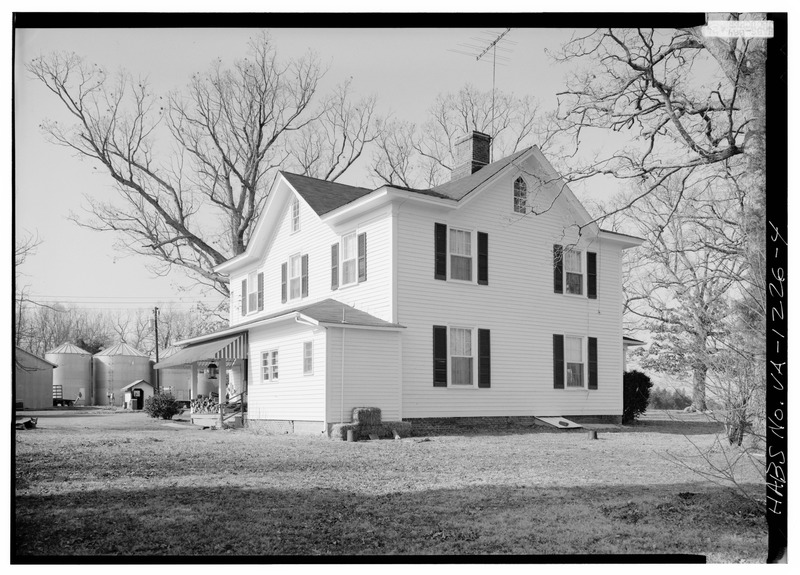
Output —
<point x="405" y="68"/>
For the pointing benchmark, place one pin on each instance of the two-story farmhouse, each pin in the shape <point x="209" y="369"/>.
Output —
<point x="490" y="295"/>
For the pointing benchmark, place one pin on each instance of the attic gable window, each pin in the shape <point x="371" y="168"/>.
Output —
<point x="520" y="196"/>
<point x="295" y="215"/>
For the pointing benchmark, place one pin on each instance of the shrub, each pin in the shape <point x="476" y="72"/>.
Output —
<point x="161" y="405"/>
<point x="635" y="395"/>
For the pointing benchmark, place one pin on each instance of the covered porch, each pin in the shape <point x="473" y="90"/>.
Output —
<point x="217" y="383"/>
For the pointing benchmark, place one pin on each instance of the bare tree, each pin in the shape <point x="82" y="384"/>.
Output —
<point x="686" y="277"/>
<point x="423" y="156"/>
<point x="191" y="168"/>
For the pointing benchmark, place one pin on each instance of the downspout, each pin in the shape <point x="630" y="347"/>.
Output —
<point x="341" y="382"/>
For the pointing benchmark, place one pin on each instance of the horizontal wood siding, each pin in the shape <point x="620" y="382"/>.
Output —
<point x="371" y="372"/>
<point x="518" y="306"/>
<point x="315" y="239"/>
<point x="294" y="396"/>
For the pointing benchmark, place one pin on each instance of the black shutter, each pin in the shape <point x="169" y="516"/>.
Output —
<point x="484" y="359"/>
<point x="483" y="258"/>
<point x="362" y="257"/>
<point x="439" y="356"/>
<point x="558" y="269"/>
<point x="592" y="363"/>
<point x="591" y="275"/>
<point x="440" y="252"/>
<point x="304" y="278"/>
<point x="558" y="361"/>
<point x="244" y="297"/>
<point x="335" y="266"/>
<point x="283" y="282"/>
<point x="260" y="291"/>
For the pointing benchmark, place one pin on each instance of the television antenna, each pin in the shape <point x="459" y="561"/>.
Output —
<point x="497" y="41"/>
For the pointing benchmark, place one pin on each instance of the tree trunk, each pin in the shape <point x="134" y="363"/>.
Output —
<point x="699" y="387"/>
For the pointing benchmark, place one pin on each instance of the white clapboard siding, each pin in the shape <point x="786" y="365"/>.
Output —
<point x="371" y="372"/>
<point x="518" y="306"/>
<point x="315" y="239"/>
<point x="295" y="396"/>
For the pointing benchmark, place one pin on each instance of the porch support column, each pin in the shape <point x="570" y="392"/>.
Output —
<point x="223" y="384"/>
<point x="193" y="384"/>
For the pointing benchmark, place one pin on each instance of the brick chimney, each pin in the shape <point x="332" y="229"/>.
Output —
<point x="472" y="153"/>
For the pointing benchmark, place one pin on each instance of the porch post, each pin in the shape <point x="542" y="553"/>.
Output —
<point x="193" y="384"/>
<point x="223" y="384"/>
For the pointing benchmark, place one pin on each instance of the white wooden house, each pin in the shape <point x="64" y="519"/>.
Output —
<point x="491" y="295"/>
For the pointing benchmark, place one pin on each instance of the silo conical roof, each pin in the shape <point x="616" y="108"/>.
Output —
<point x="168" y="351"/>
<point x="122" y="349"/>
<point x="67" y="347"/>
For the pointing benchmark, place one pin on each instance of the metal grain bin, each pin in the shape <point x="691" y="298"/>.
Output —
<point x="177" y="380"/>
<point x="116" y="367"/>
<point x="73" y="374"/>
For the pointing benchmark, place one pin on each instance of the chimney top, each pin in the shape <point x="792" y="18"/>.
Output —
<point x="472" y="153"/>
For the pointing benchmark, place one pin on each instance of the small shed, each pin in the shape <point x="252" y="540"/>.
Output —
<point x="33" y="381"/>
<point x="136" y="393"/>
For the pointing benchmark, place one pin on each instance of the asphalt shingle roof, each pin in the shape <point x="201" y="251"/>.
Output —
<point x="324" y="196"/>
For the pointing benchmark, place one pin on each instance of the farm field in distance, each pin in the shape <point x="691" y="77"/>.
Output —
<point x="105" y="483"/>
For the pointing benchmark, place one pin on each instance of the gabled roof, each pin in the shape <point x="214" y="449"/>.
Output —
<point x="459" y="188"/>
<point x="324" y="196"/>
<point x="135" y="383"/>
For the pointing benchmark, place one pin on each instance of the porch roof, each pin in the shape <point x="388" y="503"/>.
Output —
<point x="226" y="348"/>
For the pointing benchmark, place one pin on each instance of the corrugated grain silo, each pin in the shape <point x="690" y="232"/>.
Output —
<point x="178" y="379"/>
<point x="73" y="374"/>
<point x="116" y="367"/>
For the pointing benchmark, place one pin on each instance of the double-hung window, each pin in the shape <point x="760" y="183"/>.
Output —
<point x="349" y="259"/>
<point x="573" y="358"/>
<point x="573" y="270"/>
<point x="461" y="356"/>
<point x="295" y="215"/>
<point x="295" y="276"/>
<point x="520" y="196"/>
<point x="460" y="255"/>
<point x="269" y="365"/>
<point x="252" y="291"/>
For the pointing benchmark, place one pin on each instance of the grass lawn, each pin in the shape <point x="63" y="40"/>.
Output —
<point x="94" y="482"/>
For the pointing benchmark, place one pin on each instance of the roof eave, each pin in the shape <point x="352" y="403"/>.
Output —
<point x="626" y="240"/>
<point x="238" y="328"/>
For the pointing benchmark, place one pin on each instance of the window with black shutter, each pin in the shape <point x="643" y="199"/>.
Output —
<point x="484" y="359"/>
<point x="592" y="363"/>
<point x="244" y="297"/>
<point x="439" y="356"/>
<point x="483" y="258"/>
<point x="591" y="275"/>
<point x="440" y="252"/>
<point x="558" y="269"/>
<point x="558" y="361"/>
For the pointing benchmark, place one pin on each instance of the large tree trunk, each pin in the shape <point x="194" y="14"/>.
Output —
<point x="699" y="387"/>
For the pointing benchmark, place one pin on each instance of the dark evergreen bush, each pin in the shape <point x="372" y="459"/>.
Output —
<point x="163" y="405"/>
<point x="635" y="395"/>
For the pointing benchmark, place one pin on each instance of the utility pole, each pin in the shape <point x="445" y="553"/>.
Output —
<point x="155" y="324"/>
